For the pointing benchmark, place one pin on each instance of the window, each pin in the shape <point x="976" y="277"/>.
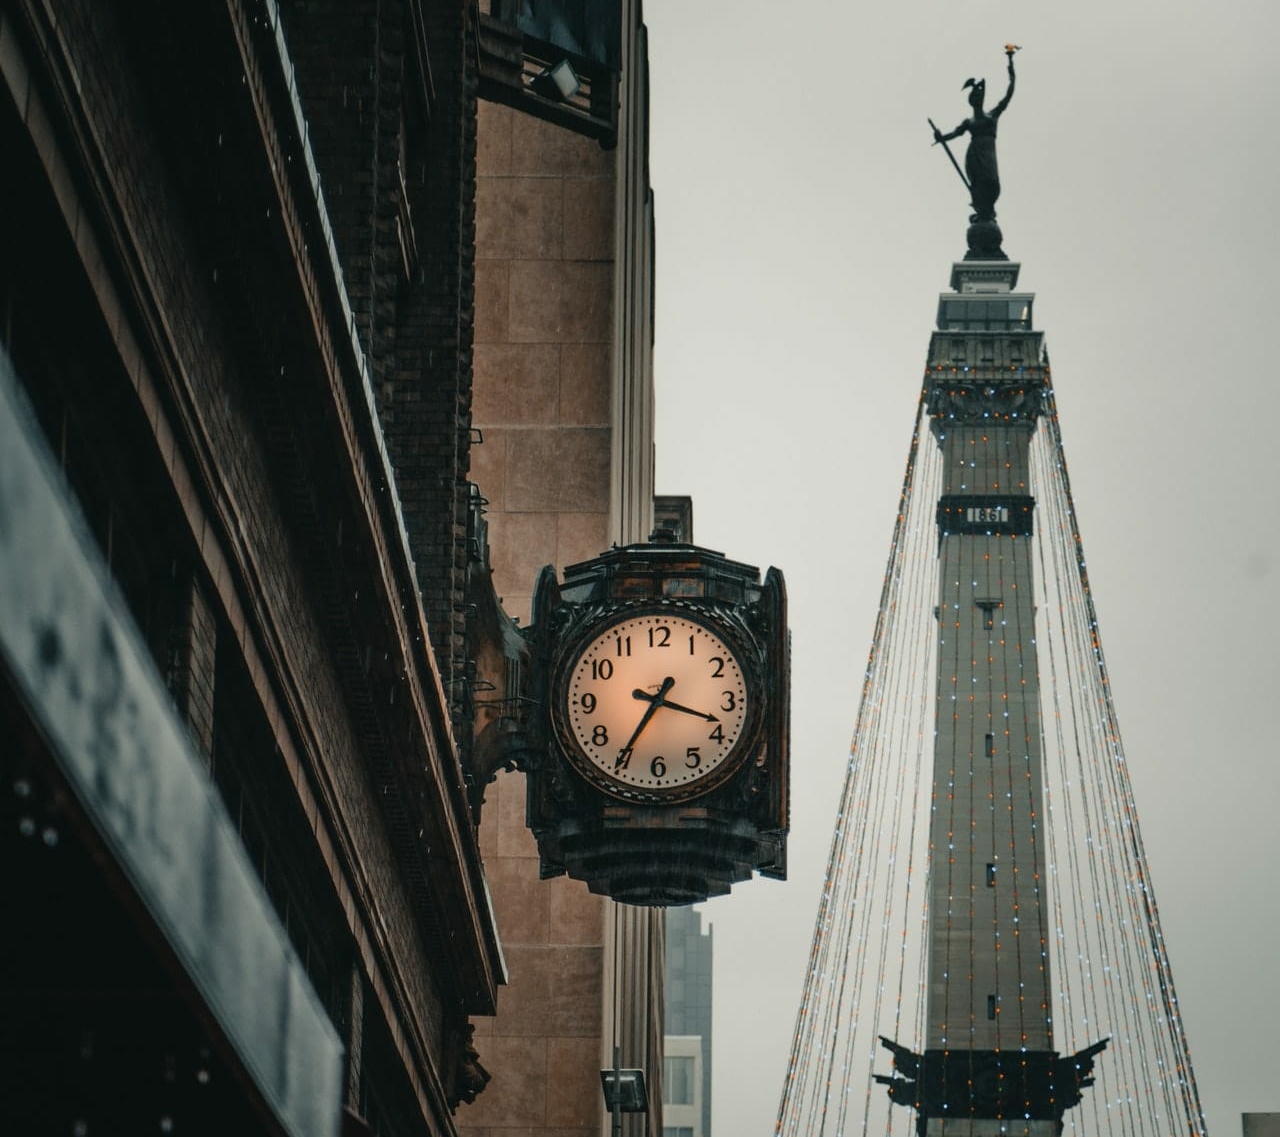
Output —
<point x="990" y="315"/>
<point x="677" y="1080"/>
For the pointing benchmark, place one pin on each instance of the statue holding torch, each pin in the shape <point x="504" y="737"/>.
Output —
<point x="981" y="173"/>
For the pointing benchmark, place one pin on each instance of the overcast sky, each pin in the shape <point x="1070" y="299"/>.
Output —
<point x="805" y="229"/>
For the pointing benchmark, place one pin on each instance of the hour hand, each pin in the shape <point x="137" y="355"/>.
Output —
<point x="659" y="697"/>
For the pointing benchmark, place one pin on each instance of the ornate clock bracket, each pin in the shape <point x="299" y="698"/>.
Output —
<point x="497" y="700"/>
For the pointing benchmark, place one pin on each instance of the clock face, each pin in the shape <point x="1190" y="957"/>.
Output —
<point x="655" y="703"/>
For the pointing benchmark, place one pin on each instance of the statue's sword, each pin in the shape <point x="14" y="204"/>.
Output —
<point x="953" y="158"/>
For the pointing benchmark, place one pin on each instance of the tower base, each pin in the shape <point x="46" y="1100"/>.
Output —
<point x="988" y="1093"/>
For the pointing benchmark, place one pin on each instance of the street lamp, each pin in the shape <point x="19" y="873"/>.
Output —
<point x="624" y="1092"/>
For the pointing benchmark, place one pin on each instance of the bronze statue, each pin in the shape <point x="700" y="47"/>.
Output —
<point x="983" y="173"/>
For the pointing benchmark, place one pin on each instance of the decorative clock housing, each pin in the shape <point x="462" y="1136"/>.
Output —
<point x="655" y="704"/>
<point x="656" y="743"/>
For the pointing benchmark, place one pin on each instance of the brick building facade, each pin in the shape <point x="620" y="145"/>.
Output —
<point x="240" y="540"/>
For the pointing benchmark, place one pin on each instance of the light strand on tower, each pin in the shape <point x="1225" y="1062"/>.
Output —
<point x="1082" y="868"/>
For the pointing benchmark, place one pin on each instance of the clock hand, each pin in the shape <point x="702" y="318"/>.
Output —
<point x="689" y="711"/>
<point x="655" y="701"/>
<point x="659" y="700"/>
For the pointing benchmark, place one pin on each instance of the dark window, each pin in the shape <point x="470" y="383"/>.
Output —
<point x="85" y="402"/>
<point x="263" y="803"/>
<point x="986" y="315"/>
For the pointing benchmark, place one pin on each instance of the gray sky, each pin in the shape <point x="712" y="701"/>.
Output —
<point x="805" y="229"/>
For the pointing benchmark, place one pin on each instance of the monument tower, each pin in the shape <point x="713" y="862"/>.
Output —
<point x="989" y="1053"/>
<point x="988" y="911"/>
<point x="989" y="1065"/>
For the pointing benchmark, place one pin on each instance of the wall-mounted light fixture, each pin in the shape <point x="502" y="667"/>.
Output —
<point x="624" y="1091"/>
<point x="559" y="82"/>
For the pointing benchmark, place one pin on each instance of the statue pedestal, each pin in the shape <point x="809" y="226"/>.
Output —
<point x="984" y="242"/>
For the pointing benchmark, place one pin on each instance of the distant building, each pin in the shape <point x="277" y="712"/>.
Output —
<point x="683" y="1100"/>
<point x="686" y="1109"/>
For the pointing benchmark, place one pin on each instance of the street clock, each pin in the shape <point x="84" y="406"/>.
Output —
<point x="661" y="725"/>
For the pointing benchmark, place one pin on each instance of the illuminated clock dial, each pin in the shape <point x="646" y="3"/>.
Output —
<point x="656" y="702"/>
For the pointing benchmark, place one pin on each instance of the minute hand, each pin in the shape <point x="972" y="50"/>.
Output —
<point x="690" y="711"/>
<point x="659" y="700"/>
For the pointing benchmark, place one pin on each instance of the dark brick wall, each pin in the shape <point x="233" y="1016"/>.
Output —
<point x="226" y="369"/>
<point x="393" y="125"/>
<point x="335" y="50"/>
<point x="429" y="407"/>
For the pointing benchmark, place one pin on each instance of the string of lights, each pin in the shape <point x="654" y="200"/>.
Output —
<point x="1084" y="924"/>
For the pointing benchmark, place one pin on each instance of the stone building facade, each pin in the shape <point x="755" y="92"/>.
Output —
<point x="238" y="524"/>
<point x="563" y="402"/>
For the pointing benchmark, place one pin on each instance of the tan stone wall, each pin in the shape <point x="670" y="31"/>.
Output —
<point x="543" y="368"/>
<point x="544" y="1045"/>
<point x="556" y="400"/>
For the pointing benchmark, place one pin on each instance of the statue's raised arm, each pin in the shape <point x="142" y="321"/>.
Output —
<point x="981" y="171"/>
<point x="999" y="108"/>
